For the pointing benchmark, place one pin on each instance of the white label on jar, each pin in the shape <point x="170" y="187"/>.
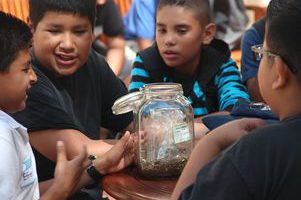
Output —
<point x="181" y="133"/>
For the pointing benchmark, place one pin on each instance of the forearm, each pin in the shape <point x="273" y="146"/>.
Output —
<point x="205" y="150"/>
<point x="54" y="192"/>
<point x="115" y="53"/>
<point x="115" y="58"/>
<point x="144" y="43"/>
<point x="45" y="142"/>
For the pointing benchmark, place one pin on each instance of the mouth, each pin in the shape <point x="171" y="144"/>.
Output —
<point x="65" y="60"/>
<point x="170" y="55"/>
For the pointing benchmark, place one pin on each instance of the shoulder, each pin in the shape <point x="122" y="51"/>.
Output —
<point x="7" y="126"/>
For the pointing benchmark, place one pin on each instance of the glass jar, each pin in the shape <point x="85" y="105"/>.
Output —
<point x="163" y="123"/>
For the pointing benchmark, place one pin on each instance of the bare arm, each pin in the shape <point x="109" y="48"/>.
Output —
<point x="67" y="174"/>
<point x="211" y="145"/>
<point x="45" y="142"/>
<point x="253" y="89"/>
<point x="70" y="176"/>
<point x="115" y="53"/>
<point x="144" y="43"/>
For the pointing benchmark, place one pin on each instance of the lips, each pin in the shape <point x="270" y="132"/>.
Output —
<point x="170" y="55"/>
<point x="65" y="60"/>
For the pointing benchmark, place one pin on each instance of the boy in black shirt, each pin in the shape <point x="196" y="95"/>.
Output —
<point x="76" y="88"/>
<point x="266" y="163"/>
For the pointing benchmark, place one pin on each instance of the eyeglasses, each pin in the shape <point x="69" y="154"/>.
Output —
<point x="259" y="51"/>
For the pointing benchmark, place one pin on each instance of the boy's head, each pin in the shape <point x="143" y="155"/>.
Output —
<point x="280" y="71"/>
<point x="183" y="26"/>
<point x="62" y="33"/>
<point x="16" y="74"/>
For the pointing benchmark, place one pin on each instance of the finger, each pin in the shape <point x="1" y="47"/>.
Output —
<point x="118" y="149"/>
<point x="61" y="151"/>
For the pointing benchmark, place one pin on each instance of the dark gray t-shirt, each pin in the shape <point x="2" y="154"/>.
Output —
<point x="263" y="165"/>
<point x="81" y="101"/>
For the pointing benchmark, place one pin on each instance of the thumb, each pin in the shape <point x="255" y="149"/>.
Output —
<point x="82" y="158"/>
<point x="61" y="151"/>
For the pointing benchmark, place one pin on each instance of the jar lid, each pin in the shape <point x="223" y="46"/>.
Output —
<point x="127" y="103"/>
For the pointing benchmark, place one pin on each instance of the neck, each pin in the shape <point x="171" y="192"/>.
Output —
<point x="289" y="103"/>
<point x="188" y="70"/>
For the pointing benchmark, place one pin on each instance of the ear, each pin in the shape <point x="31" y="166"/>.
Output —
<point x="281" y="74"/>
<point x="30" y="24"/>
<point x="208" y="33"/>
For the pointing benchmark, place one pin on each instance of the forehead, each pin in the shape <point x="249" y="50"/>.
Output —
<point x="64" y="18"/>
<point x="23" y="57"/>
<point x="170" y="14"/>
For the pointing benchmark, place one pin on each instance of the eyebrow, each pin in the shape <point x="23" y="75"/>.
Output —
<point x="54" y="25"/>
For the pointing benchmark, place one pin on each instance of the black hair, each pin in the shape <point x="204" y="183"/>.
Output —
<point x="201" y="8"/>
<point x="38" y="8"/>
<point x="283" y="31"/>
<point x="15" y="36"/>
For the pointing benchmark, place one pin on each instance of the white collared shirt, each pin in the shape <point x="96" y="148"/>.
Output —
<point x="18" y="175"/>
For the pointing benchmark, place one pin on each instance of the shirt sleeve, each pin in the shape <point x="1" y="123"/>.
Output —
<point x="220" y="179"/>
<point x="139" y="75"/>
<point x="139" y="22"/>
<point x="229" y="86"/>
<point x="249" y="66"/>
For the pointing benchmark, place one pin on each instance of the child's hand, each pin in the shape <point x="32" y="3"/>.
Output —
<point x="228" y="133"/>
<point x="68" y="173"/>
<point x="118" y="157"/>
<point x="200" y="130"/>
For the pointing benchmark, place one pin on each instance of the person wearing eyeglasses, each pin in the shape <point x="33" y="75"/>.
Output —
<point x="246" y="159"/>
<point x="249" y="66"/>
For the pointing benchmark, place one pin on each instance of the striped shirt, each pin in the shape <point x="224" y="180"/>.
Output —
<point x="227" y="84"/>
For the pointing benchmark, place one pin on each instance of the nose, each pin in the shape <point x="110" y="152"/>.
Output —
<point x="32" y="77"/>
<point x="169" y="39"/>
<point x="66" y="43"/>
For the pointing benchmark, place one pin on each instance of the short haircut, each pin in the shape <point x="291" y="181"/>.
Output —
<point x="15" y="36"/>
<point x="200" y="8"/>
<point x="283" y="34"/>
<point x="38" y="8"/>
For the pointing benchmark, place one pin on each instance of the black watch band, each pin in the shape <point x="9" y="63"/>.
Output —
<point x="92" y="171"/>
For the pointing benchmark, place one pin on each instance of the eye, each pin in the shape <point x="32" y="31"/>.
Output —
<point x="257" y="56"/>
<point x="80" y="32"/>
<point x="182" y="31"/>
<point x="27" y="67"/>
<point x="53" y="31"/>
<point x="161" y="30"/>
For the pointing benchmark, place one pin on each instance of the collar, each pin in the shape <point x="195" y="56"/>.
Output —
<point x="15" y="125"/>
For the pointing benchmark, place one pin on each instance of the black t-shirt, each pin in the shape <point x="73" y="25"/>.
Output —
<point x="108" y="17"/>
<point x="263" y="165"/>
<point x="81" y="101"/>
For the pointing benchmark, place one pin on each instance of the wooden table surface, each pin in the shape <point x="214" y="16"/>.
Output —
<point x="128" y="185"/>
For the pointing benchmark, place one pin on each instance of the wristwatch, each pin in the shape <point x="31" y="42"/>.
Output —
<point x="92" y="171"/>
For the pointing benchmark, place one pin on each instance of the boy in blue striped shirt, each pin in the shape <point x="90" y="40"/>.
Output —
<point x="186" y="52"/>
